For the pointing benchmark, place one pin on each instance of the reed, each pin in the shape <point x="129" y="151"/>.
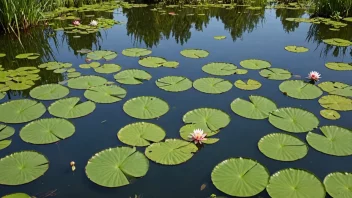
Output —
<point x="333" y="8"/>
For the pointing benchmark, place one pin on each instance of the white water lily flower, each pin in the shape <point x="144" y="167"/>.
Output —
<point x="94" y="23"/>
<point x="314" y="75"/>
<point x="198" y="136"/>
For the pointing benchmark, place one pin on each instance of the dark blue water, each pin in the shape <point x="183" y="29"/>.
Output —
<point x="255" y="34"/>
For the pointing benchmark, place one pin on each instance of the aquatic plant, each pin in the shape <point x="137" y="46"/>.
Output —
<point x="198" y="136"/>
<point x="333" y="8"/>
<point x="314" y="76"/>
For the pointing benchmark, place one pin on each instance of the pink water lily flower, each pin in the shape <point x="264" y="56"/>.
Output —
<point x="314" y="75"/>
<point x="198" y="136"/>
<point x="76" y="22"/>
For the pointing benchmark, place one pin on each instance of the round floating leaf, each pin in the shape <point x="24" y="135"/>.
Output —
<point x="29" y="56"/>
<point x="255" y="64"/>
<point x="132" y="76"/>
<point x="4" y="144"/>
<point x="194" y="53"/>
<point x="336" y="88"/>
<point x="338" y="185"/>
<point x="145" y="107"/>
<point x="108" y="68"/>
<point x="296" y="49"/>
<point x="174" y="83"/>
<point x="293" y="120"/>
<point x="212" y="85"/>
<point x="171" y="64"/>
<point x="105" y="94"/>
<point x="6" y="132"/>
<point x="240" y="177"/>
<point x="282" y="147"/>
<point x="69" y="108"/>
<point x="338" y="42"/>
<point x="275" y="74"/>
<point x="295" y="183"/>
<point x="49" y="92"/>
<point x="258" y="108"/>
<point x="2" y="55"/>
<point x="219" y="37"/>
<point x="60" y="71"/>
<point x="300" y="89"/>
<point x="73" y="74"/>
<point x="186" y="131"/>
<point x="2" y="95"/>
<point x="46" y="131"/>
<point x="136" y="52"/>
<point x="335" y="102"/>
<point x="152" y="61"/>
<point x="171" y="152"/>
<point x="220" y="69"/>
<point x="101" y="54"/>
<point x="17" y="195"/>
<point x="249" y="85"/>
<point x="241" y="71"/>
<point x="339" y="66"/>
<point x="19" y="111"/>
<point x="90" y="65"/>
<point x="85" y="82"/>
<point x="333" y="141"/>
<point x="22" y="167"/>
<point x="112" y="167"/>
<point x="207" y="119"/>
<point x="19" y="86"/>
<point x="330" y="114"/>
<point x="141" y="134"/>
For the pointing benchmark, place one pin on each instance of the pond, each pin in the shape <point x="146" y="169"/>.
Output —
<point x="249" y="34"/>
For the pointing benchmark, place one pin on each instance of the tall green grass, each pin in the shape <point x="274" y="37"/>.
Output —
<point x="328" y="8"/>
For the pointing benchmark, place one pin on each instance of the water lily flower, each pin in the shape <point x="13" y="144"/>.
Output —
<point x="76" y="22"/>
<point x="172" y="13"/>
<point x="198" y="136"/>
<point x="73" y="165"/>
<point x="314" y="76"/>
<point x="94" y="23"/>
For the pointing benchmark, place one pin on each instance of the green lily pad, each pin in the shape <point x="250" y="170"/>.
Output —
<point x="3" y="88"/>
<point x="114" y="166"/>
<point x="255" y="64"/>
<point x="141" y="134"/>
<point x="85" y="82"/>
<point x="207" y="119"/>
<point x="5" y="143"/>
<point x="90" y="65"/>
<point x="132" y="76"/>
<point x="282" y="147"/>
<point x="17" y="195"/>
<point x="174" y="83"/>
<point x="29" y="56"/>
<point x="300" y="89"/>
<point x="187" y="129"/>
<point x="54" y="65"/>
<point x="241" y="71"/>
<point x="258" y="108"/>
<point x="349" y="19"/>
<point x="240" y="177"/>
<point x="330" y="114"/>
<point x="219" y="37"/>
<point x="336" y="102"/>
<point x="275" y="74"/>
<point x="152" y="61"/>
<point x="171" y="64"/>
<point x="336" y="88"/>
<point x="295" y="183"/>
<point x="249" y="85"/>
<point x="49" y="92"/>
<point x="18" y="86"/>
<point x="146" y="107"/>
<point x="296" y="49"/>
<point x="19" y="111"/>
<point x="2" y="55"/>
<point x="194" y="53"/>
<point x="293" y="120"/>
<point x="71" y="70"/>
<point x="108" y="68"/>
<point x="47" y="131"/>
<point x="105" y="94"/>
<point x="136" y="52"/>
<point x="333" y="141"/>
<point x="212" y="85"/>
<point x="73" y="75"/>
<point x="60" y="71"/>
<point x="338" y="184"/>
<point x="338" y="42"/>
<point x="171" y="152"/>
<point x="5" y="132"/>
<point x="22" y="167"/>
<point x="69" y="108"/>
<point x="101" y="54"/>
<point x="220" y="69"/>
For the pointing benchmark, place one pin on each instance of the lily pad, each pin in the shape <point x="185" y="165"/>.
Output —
<point x="241" y="71"/>
<point x="255" y="64"/>
<point x="338" y="42"/>
<point x="212" y="85"/>
<point x="171" y="64"/>
<point x="114" y="166"/>
<point x="69" y="108"/>
<point x="219" y="68"/>
<point x="2" y="95"/>
<point x="54" y="65"/>
<point x="101" y="54"/>
<point x="275" y="74"/>
<point x="296" y="49"/>
<point x="330" y="114"/>
<point x="49" y="92"/>
<point x="85" y="82"/>
<point x="258" y="108"/>
<point x="194" y="53"/>
<point x="187" y="129"/>
<point x="73" y="75"/>
<point x="174" y="83"/>
<point x="240" y="177"/>
<point x="5" y="132"/>
<point x="300" y="89"/>
<point x="282" y="147"/>
<point x="132" y="76"/>
<point x="146" y="107"/>
<point x="22" y="167"/>
<point x="249" y="85"/>
<point x="219" y="37"/>
<point x="336" y="102"/>
<point x="336" y="88"/>
<point x="17" y="195"/>
<point x="141" y="134"/>
<point x="295" y="183"/>
<point x="338" y="184"/>
<point x="293" y="120"/>
<point x="207" y="119"/>
<point x="171" y="152"/>
<point x="108" y="68"/>
<point x="2" y="55"/>
<point x="18" y="86"/>
<point x="136" y="52"/>
<point x="47" y="131"/>
<point x="333" y="141"/>
<point x="19" y="111"/>
<point x="30" y="56"/>
<point x="152" y="61"/>
<point x="105" y="94"/>
<point x="90" y="65"/>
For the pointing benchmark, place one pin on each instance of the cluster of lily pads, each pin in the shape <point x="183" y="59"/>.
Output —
<point x="335" y="25"/>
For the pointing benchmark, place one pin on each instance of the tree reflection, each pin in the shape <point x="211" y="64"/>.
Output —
<point x="289" y="26"/>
